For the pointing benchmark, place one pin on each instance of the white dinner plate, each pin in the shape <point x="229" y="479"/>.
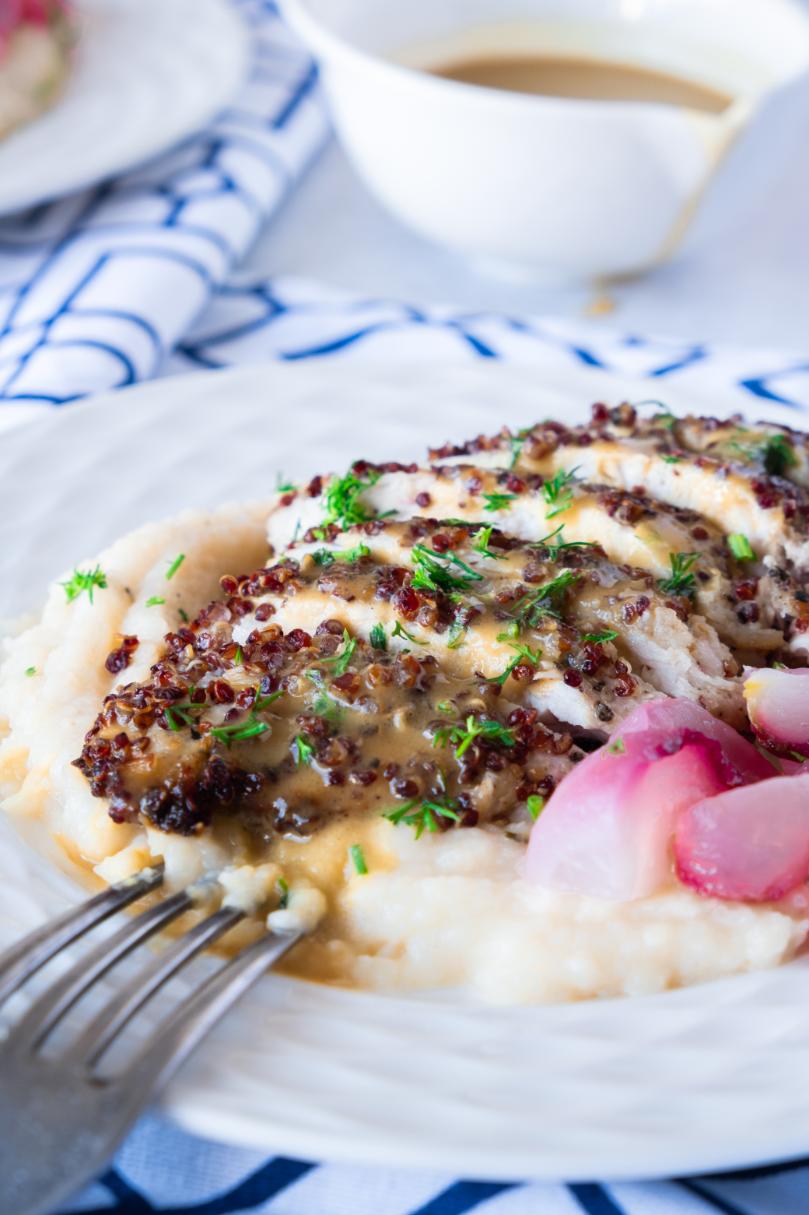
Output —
<point x="708" y="1077"/>
<point x="146" y="74"/>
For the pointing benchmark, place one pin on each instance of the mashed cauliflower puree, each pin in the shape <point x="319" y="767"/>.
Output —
<point x="446" y="909"/>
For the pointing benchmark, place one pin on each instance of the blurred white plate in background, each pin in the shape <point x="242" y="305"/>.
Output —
<point x="708" y="1077"/>
<point x="146" y="74"/>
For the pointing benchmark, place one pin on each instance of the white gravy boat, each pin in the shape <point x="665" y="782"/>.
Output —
<point x="550" y="187"/>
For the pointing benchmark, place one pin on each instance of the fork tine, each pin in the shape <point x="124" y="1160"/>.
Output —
<point x="48" y="1009"/>
<point x="24" y="959"/>
<point x="102" y="1031"/>
<point x="172" y="1043"/>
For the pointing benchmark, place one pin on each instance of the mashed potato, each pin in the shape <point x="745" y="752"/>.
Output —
<point x="444" y="910"/>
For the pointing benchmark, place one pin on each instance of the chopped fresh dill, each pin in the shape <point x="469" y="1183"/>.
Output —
<point x="597" y="638"/>
<point x="155" y="601"/>
<point x="682" y="581"/>
<point x="324" y="556"/>
<point x="462" y="737"/>
<point x="498" y="501"/>
<point x="480" y="543"/>
<point x="302" y="750"/>
<point x="524" y="655"/>
<point x="555" y="549"/>
<point x="517" y="443"/>
<point x="672" y="459"/>
<point x="545" y="600"/>
<point x="238" y="732"/>
<point x="377" y="637"/>
<point x="174" y="566"/>
<point x="557" y="492"/>
<point x="85" y="581"/>
<point x="357" y="859"/>
<point x="535" y="805"/>
<point x="433" y="572"/>
<point x="238" y="657"/>
<point x="29" y="671"/>
<point x="283" y="486"/>
<point x="422" y="816"/>
<point x="400" y="631"/>
<point x="181" y="612"/>
<point x="343" y="658"/>
<point x="455" y="636"/>
<point x="740" y="546"/>
<point x="342" y="500"/>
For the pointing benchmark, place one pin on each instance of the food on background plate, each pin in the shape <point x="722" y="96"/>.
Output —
<point x="36" y="37"/>
<point x="505" y="721"/>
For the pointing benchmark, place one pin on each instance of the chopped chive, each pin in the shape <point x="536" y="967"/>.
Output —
<point x="740" y="546"/>
<point x="535" y="805"/>
<point x="174" y="566"/>
<point x="155" y="601"/>
<point x="30" y="671"/>
<point x="597" y="638"/>
<point x="358" y="859"/>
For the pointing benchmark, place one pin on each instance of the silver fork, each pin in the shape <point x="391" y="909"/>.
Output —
<point x="61" y="1114"/>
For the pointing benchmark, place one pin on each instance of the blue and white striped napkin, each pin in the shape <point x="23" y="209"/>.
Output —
<point x="134" y="279"/>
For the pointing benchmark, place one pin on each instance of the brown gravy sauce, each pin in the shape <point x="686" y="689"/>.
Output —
<point x="583" y="78"/>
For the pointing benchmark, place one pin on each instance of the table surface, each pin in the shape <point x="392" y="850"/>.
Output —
<point x="747" y="287"/>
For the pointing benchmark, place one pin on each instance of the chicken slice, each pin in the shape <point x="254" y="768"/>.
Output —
<point x="734" y="491"/>
<point x="657" y="637"/>
<point x="631" y="528"/>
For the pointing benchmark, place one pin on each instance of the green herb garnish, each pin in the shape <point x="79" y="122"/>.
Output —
<point x="672" y="459"/>
<point x="682" y="581"/>
<point x="463" y="736"/>
<point x="435" y="571"/>
<point x="597" y="638"/>
<point x="342" y="500"/>
<point x="175" y="565"/>
<point x="517" y="443"/>
<point x="29" y="671"/>
<point x="455" y="636"/>
<point x="524" y="654"/>
<point x="357" y="859"/>
<point x="740" y="546"/>
<point x="238" y="732"/>
<point x="82" y="581"/>
<point x="282" y="486"/>
<point x="302" y="750"/>
<point x="238" y="657"/>
<point x="400" y="631"/>
<point x="155" y="601"/>
<point x="282" y="886"/>
<point x="617" y="748"/>
<point x="535" y="805"/>
<point x="557" y="492"/>
<point x="422" y="816"/>
<point x="498" y="501"/>
<point x="183" y="615"/>
<point x="480" y="543"/>
<point x="377" y="637"/>
<point x="341" y="661"/>
<point x="324" y="556"/>
<point x="545" y="600"/>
